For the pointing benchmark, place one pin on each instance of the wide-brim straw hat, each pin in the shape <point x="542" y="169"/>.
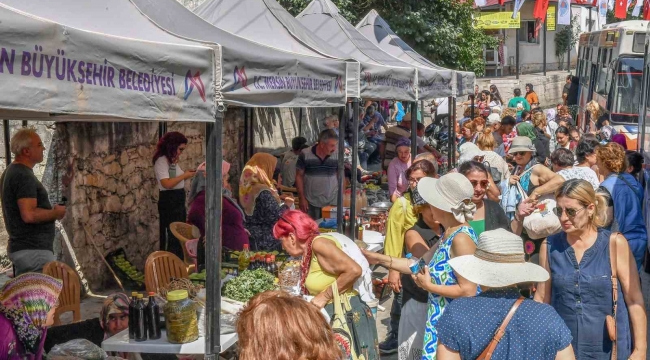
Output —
<point x="407" y="117"/>
<point x="521" y="143"/>
<point x="499" y="261"/>
<point x="447" y="192"/>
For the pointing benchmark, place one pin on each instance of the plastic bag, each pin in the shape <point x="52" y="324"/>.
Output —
<point x="78" y="348"/>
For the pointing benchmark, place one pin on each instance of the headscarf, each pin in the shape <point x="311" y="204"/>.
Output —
<point x="620" y="139"/>
<point x="116" y="303"/>
<point x="25" y="301"/>
<point x="403" y="141"/>
<point x="198" y="182"/>
<point x="257" y="177"/>
<point x="527" y="130"/>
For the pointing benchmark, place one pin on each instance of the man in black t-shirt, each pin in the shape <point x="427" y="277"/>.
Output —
<point x="29" y="216"/>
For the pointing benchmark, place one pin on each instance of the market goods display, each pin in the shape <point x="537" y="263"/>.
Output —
<point x="128" y="274"/>
<point x="180" y="317"/>
<point x="248" y="284"/>
<point x="289" y="276"/>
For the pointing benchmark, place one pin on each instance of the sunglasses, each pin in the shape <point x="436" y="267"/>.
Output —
<point x="484" y="183"/>
<point x="569" y="212"/>
<point x="519" y="153"/>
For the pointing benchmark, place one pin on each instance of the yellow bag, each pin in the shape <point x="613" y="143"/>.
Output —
<point x="342" y="333"/>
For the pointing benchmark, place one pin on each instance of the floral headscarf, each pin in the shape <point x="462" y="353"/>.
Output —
<point x="114" y="303"/>
<point x="25" y="301"/>
<point x="255" y="178"/>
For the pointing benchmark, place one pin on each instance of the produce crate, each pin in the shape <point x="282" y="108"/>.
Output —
<point x="127" y="281"/>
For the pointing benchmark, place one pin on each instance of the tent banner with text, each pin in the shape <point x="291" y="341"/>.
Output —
<point x="497" y="20"/>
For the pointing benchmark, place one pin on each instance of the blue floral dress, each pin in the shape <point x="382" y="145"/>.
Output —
<point x="441" y="274"/>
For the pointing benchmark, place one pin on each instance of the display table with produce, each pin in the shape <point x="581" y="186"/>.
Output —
<point x="121" y="343"/>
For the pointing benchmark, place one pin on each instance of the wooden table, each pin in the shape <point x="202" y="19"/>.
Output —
<point x="121" y="343"/>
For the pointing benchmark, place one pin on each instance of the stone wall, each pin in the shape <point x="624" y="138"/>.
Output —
<point x="548" y="88"/>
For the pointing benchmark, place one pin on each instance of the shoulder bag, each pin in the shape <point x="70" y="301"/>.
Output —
<point x="489" y="350"/>
<point x="610" y="320"/>
<point x="542" y="222"/>
<point x="342" y="334"/>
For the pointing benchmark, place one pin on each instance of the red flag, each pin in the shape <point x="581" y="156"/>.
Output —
<point x="502" y="2"/>
<point x="539" y="13"/>
<point x="646" y="10"/>
<point x="620" y="9"/>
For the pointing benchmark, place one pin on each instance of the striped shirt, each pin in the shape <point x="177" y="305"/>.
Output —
<point x="321" y="177"/>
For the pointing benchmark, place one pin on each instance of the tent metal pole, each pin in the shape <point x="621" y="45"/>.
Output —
<point x="300" y="122"/>
<point x="162" y="129"/>
<point x="414" y="130"/>
<point x="472" y="98"/>
<point x="517" y="53"/>
<point x="544" y="51"/>
<point x="246" y="130"/>
<point x="5" y="126"/>
<point x="213" y="206"/>
<point x="355" y="156"/>
<point x="343" y="119"/>
<point x="452" y="135"/>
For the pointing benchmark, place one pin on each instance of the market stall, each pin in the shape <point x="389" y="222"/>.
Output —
<point x="61" y="71"/>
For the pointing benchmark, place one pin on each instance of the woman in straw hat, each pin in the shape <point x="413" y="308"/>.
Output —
<point x="467" y="327"/>
<point x="580" y="262"/>
<point x="450" y="201"/>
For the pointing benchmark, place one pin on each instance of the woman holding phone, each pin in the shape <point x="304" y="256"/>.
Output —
<point x="450" y="202"/>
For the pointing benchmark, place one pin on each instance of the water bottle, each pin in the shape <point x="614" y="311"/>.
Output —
<point x="414" y="263"/>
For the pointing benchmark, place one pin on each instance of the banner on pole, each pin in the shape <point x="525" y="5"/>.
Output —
<point x="497" y="20"/>
<point x="564" y="12"/>
<point x="550" y="18"/>
<point x="518" y="5"/>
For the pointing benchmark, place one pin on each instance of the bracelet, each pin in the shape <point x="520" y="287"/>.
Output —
<point x="390" y="266"/>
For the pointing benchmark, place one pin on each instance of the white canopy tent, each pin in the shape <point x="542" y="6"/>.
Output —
<point x="377" y="30"/>
<point x="267" y="22"/>
<point x="322" y="17"/>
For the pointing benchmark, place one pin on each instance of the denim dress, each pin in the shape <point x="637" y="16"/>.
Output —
<point x="582" y="295"/>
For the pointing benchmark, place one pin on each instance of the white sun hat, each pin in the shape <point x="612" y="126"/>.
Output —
<point x="451" y="193"/>
<point x="498" y="261"/>
<point x="468" y="151"/>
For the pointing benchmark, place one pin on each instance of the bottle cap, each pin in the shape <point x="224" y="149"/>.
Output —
<point x="152" y="293"/>
<point x="139" y="296"/>
<point x="134" y="293"/>
<point x="409" y="255"/>
<point x="245" y="246"/>
<point x="177" y="295"/>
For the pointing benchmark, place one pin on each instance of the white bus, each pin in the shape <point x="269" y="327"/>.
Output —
<point x="610" y="70"/>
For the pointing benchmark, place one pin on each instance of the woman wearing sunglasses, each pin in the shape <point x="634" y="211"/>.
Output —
<point x="477" y="174"/>
<point x="535" y="179"/>
<point x="580" y="286"/>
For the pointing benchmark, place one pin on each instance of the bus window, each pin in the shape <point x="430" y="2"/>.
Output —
<point x="638" y="43"/>
<point x="604" y="81"/>
<point x="627" y="90"/>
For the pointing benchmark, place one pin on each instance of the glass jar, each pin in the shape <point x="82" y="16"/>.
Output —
<point x="180" y="317"/>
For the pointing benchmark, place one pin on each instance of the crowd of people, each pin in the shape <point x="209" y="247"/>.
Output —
<point x="537" y="236"/>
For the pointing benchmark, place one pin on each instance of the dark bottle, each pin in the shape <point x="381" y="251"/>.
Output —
<point x="134" y="299"/>
<point x="269" y="268"/>
<point x="140" y="320"/>
<point x="359" y="229"/>
<point x="153" y="318"/>
<point x="274" y="266"/>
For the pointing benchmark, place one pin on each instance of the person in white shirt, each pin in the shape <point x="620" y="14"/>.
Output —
<point x="171" y="184"/>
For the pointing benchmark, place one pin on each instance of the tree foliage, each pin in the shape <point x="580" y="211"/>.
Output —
<point x="566" y="38"/>
<point x="440" y="30"/>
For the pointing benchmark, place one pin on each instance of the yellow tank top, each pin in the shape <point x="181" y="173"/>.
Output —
<point x="318" y="279"/>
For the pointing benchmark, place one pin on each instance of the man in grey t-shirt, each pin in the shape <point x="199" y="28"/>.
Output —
<point x="29" y="216"/>
<point x="317" y="174"/>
